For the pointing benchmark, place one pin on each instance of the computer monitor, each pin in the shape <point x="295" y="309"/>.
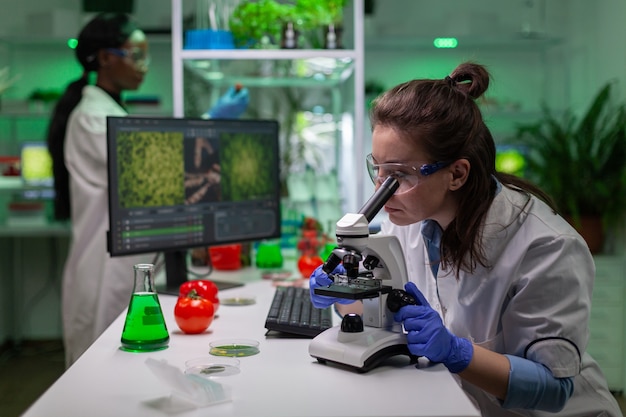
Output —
<point x="512" y="159"/>
<point x="181" y="183"/>
<point x="36" y="171"/>
<point x="36" y="164"/>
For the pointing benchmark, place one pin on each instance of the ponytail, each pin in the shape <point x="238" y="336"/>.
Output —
<point x="56" y="145"/>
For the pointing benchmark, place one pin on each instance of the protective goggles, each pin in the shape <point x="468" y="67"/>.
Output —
<point x="408" y="176"/>
<point x="139" y="57"/>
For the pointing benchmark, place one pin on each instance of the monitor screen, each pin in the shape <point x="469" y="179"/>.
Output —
<point x="36" y="164"/>
<point x="36" y="172"/>
<point x="180" y="183"/>
<point x="512" y="159"/>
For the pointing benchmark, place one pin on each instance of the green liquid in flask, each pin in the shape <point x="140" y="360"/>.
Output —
<point x="144" y="329"/>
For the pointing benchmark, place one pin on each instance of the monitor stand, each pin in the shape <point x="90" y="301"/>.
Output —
<point x="176" y="274"/>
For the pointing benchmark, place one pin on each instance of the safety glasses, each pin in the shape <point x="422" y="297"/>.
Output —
<point x="139" y="57"/>
<point x="408" y="176"/>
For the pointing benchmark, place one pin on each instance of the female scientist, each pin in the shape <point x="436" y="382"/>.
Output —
<point x="96" y="287"/>
<point x="503" y="284"/>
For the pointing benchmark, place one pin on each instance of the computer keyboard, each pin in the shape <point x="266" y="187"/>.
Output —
<point x="293" y="312"/>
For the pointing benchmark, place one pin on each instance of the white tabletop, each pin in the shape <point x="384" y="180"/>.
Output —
<point x="282" y="380"/>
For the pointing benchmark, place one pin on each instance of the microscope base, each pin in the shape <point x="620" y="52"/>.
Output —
<point x="363" y="352"/>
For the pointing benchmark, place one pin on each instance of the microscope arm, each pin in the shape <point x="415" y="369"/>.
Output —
<point x="357" y="224"/>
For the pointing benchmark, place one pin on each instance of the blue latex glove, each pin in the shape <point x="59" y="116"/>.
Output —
<point x="231" y="105"/>
<point x="320" y="279"/>
<point x="427" y="336"/>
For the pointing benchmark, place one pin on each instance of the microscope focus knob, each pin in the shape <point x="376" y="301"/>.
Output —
<point x="352" y="323"/>
<point x="398" y="299"/>
<point x="371" y="262"/>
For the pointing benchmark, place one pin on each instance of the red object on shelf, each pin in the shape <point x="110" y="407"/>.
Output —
<point x="13" y="163"/>
<point x="24" y="206"/>
<point x="226" y="257"/>
<point x="309" y="246"/>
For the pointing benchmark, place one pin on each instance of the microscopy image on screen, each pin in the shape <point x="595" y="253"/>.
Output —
<point x="180" y="183"/>
<point x="202" y="171"/>
<point x="151" y="169"/>
<point x="246" y="161"/>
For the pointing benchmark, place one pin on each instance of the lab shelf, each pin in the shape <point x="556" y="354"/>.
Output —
<point x="15" y="183"/>
<point x="301" y="73"/>
<point x="265" y="54"/>
<point x="43" y="230"/>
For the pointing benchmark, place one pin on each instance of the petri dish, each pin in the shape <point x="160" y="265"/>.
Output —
<point x="277" y="274"/>
<point x="238" y="301"/>
<point x="209" y="367"/>
<point x="234" y="347"/>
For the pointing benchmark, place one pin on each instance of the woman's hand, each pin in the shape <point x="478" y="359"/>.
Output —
<point x="319" y="279"/>
<point x="427" y="336"/>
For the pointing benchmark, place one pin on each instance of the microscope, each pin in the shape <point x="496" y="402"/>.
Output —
<point x="375" y="274"/>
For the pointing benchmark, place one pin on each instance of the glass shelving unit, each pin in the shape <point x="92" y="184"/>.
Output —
<point x="336" y="76"/>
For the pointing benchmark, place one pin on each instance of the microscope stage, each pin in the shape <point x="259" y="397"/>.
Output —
<point x="352" y="292"/>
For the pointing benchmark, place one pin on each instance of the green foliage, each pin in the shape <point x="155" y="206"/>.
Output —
<point x="317" y="13"/>
<point x="251" y="21"/>
<point x="581" y="162"/>
<point x="151" y="168"/>
<point x="248" y="159"/>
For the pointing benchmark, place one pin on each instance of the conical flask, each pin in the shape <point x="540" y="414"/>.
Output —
<point x="144" y="329"/>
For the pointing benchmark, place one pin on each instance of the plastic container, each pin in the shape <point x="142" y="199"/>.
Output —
<point x="269" y="255"/>
<point x="210" y="366"/>
<point x="209" y="39"/>
<point x="226" y="257"/>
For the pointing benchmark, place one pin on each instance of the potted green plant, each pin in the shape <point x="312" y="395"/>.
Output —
<point x="317" y="17"/>
<point x="316" y="13"/>
<point x="581" y="163"/>
<point x="252" y="22"/>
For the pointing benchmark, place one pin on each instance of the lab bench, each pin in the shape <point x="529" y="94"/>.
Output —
<point x="281" y="380"/>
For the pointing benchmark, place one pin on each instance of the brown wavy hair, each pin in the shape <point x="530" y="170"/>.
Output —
<point x="442" y="115"/>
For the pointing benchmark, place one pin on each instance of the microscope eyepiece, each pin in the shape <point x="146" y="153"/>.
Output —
<point x="379" y="198"/>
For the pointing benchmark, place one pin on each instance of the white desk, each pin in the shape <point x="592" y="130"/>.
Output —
<point x="282" y="380"/>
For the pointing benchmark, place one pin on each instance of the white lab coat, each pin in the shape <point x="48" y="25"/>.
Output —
<point x="539" y="286"/>
<point x="96" y="288"/>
